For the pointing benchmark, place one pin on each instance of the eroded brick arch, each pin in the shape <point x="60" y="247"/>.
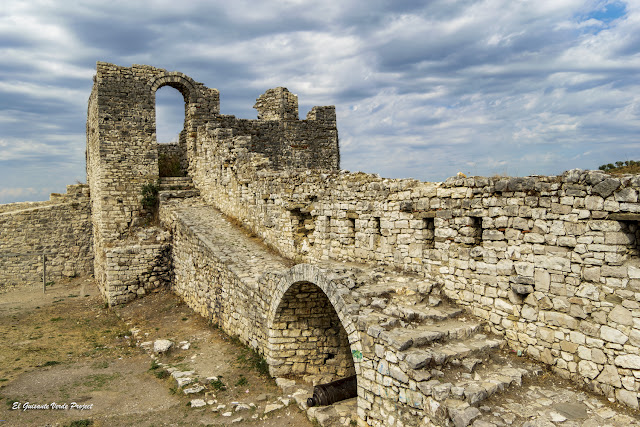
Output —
<point x="310" y="332"/>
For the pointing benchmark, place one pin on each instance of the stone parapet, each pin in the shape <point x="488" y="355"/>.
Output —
<point x="60" y="227"/>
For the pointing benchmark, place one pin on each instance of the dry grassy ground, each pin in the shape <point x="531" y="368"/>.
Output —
<point x="67" y="347"/>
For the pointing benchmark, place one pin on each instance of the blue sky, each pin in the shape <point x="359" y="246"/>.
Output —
<point x="423" y="89"/>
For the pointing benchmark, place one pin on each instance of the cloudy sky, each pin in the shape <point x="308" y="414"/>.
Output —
<point x="423" y="89"/>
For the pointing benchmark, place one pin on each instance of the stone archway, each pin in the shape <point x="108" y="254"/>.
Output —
<point x="185" y="84"/>
<point x="310" y="334"/>
<point x="186" y="140"/>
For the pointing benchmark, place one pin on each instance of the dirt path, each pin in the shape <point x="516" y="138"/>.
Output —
<point x="67" y="348"/>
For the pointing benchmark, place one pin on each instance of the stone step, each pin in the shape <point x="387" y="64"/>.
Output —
<point x="460" y="389"/>
<point x="374" y="322"/>
<point x="440" y="354"/>
<point x="478" y="388"/>
<point x="392" y="285"/>
<point x="177" y="186"/>
<point x="402" y="339"/>
<point x="176" y="183"/>
<point x="175" y="178"/>
<point x="177" y="194"/>
<point x="343" y="413"/>
<point x="422" y="312"/>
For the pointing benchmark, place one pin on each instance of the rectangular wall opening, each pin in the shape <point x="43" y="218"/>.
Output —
<point x="469" y="231"/>
<point x="351" y="233"/>
<point x="428" y="233"/>
<point x="629" y="234"/>
<point x="303" y="226"/>
<point x="376" y="233"/>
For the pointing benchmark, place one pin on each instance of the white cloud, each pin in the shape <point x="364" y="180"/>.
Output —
<point x="39" y="91"/>
<point x="55" y="148"/>
<point x="425" y="89"/>
<point x="17" y="192"/>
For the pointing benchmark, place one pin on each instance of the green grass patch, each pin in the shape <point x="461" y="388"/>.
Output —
<point x="50" y="363"/>
<point x="102" y="364"/>
<point x="161" y="374"/>
<point x="79" y="423"/>
<point x="250" y="359"/>
<point x="622" y="167"/>
<point x="242" y="381"/>
<point x="123" y="333"/>
<point x="218" y="384"/>
<point x="10" y="402"/>
<point x="157" y="371"/>
<point x="98" y="381"/>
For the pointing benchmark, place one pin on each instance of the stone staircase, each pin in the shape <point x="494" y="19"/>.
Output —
<point x="439" y="365"/>
<point x="450" y="356"/>
<point x="176" y="188"/>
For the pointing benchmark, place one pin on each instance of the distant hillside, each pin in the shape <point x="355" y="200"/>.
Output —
<point x="628" y="166"/>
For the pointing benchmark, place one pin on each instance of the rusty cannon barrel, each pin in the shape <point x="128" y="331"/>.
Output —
<point x="326" y="394"/>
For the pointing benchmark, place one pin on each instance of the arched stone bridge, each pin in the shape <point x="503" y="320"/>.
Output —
<point x="317" y="323"/>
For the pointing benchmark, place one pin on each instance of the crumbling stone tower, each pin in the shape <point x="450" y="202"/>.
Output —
<point x="122" y="157"/>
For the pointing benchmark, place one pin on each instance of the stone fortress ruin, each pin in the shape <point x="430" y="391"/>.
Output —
<point x="347" y="272"/>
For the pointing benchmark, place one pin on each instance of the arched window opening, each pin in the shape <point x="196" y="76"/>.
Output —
<point x="313" y="344"/>
<point x="170" y="133"/>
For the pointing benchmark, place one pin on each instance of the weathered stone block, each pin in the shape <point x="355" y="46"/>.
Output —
<point x="609" y="375"/>
<point x="628" y="361"/>
<point x="610" y="334"/>
<point x="560" y="319"/>
<point x="542" y="280"/>
<point x="621" y="316"/>
<point x="588" y="369"/>
<point x="629" y="398"/>
<point x="606" y="187"/>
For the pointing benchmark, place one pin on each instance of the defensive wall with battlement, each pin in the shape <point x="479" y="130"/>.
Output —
<point x="338" y="260"/>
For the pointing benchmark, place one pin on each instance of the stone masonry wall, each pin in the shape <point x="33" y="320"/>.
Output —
<point x="277" y="104"/>
<point x="551" y="262"/>
<point x="122" y="157"/>
<point x="60" y="227"/>
<point x="171" y="150"/>
<point x="135" y="269"/>
<point x="232" y="291"/>
<point x="287" y="314"/>
<point x="317" y="336"/>
<point x="122" y="151"/>
<point x="311" y="143"/>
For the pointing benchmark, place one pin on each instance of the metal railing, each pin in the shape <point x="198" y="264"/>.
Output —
<point x="39" y="254"/>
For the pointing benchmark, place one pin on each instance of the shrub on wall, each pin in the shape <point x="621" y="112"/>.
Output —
<point x="150" y="199"/>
